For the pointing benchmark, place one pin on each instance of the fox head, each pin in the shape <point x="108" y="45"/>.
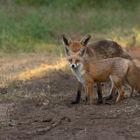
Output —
<point x="75" y="50"/>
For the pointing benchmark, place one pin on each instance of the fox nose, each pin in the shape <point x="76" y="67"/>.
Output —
<point x="73" y="66"/>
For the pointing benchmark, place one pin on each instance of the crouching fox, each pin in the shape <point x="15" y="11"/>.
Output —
<point x="100" y="50"/>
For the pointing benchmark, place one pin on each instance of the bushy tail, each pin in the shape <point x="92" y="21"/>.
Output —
<point x="133" y="76"/>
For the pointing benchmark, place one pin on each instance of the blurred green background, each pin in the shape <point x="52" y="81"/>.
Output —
<point x="37" y="25"/>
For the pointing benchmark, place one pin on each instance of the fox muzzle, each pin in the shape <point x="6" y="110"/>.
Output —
<point x="73" y="66"/>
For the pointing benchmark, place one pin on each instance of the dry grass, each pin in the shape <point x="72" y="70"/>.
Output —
<point x="27" y="66"/>
<point x="40" y="70"/>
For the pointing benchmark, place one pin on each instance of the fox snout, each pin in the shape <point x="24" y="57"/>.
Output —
<point x="73" y="66"/>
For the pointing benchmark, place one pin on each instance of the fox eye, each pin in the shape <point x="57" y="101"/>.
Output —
<point x="77" y="61"/>
<point x="70" y="60"/>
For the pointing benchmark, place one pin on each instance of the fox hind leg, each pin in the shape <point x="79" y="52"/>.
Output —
<point x="112" y="91"/>
<point x="119" y="85"/>
<point x="120" y="95"/>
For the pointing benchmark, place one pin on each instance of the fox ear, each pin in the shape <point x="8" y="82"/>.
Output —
<point x="67" y="51"/>
<point x="84" y="41"/>
<point x="66" y="41"/>
<point x="82" y="52"/>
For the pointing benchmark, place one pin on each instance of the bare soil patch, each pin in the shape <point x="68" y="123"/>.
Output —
<point x="41" y="109"/>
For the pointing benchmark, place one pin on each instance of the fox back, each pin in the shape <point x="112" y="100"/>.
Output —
<point x="108" y="49"/>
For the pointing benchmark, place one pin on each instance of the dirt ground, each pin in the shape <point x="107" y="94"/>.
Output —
<point x="39" y="107"/>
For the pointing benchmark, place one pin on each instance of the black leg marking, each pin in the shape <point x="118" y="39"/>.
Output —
<point x="99" y="92"/>
<point x="78" y="97"/>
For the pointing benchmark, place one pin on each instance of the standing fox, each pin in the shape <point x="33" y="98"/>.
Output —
<point x="99" y="50"/>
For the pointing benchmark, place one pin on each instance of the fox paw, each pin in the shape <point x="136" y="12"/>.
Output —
<point x="75" y="102"/>
<point x="90" y="101"/>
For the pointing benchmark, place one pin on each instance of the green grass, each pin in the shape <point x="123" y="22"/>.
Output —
<point x="30" y="26"/>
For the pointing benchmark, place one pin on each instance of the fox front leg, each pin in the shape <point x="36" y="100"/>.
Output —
<point x="90" y="95"/>
<point x="79" y="90"/>
<point x="99" y="92"/>
<point x="78" y="95"/>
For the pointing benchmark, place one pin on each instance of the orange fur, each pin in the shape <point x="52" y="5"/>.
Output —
<point x="87" y="64"/>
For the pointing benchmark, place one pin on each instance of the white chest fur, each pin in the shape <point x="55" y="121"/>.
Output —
<point x="79" y="72"/>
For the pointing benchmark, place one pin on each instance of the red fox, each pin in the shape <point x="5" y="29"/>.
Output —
<point x="89" y="70"/>
<point x="99" y="50"/>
